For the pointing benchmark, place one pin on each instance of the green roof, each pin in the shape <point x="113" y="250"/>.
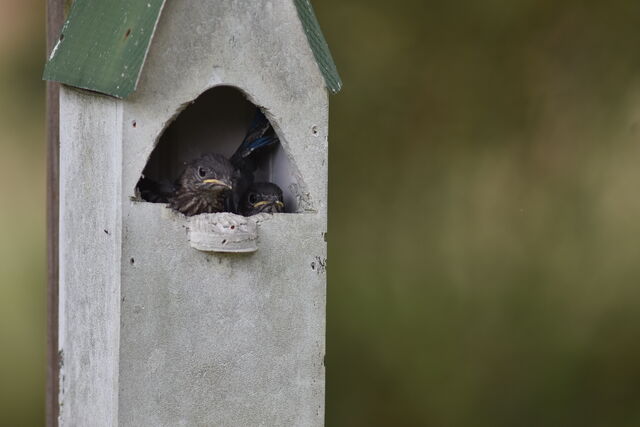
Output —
<point x="319" y="45"/>
<point x="103" y="45"/>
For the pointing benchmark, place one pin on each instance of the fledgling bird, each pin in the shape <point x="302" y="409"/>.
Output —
<point x="205" y="186"/>
<point x="212" y="183"/>
<point x="262" y="197"/>
<point x="260" y="137"/>
<point x="155" y="191"/>
<point x="258" y="141"/>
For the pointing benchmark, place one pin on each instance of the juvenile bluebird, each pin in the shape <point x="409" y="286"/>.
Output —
<point x="155" y="191"/>
<point x="212" y="183"/>
<point x="205" y="186"/>
<point x="258" y="141"/>
<point x="262" y="197"/>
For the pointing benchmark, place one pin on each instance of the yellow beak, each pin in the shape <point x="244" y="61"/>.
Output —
<point x="216" y="181"/>
<point x="266" y="202"/>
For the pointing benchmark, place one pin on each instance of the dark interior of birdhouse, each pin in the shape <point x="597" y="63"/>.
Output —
<point x="219" y="121"/>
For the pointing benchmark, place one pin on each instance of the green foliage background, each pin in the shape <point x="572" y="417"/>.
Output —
<point x="484" y="236"/>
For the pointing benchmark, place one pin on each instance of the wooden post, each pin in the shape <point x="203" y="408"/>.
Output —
<point x="55" y="17"/>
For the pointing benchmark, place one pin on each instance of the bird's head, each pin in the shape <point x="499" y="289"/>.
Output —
<point x="211" y="173"/>
<point x="262" y="197"/>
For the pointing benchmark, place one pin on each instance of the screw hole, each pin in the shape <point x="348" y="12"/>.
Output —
<point x="132" y="261"/>
<point x="134" y="124"/>
<point x="128" y="33"/>
<point x="224" y="241"/>
<point x="314" y="130"/>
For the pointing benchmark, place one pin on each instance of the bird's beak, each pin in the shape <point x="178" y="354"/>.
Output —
<point x="266" y="202"/>
<point x="217" y="182"/>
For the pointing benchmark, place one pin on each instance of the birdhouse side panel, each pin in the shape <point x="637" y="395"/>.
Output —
<point x="90" y="245"/>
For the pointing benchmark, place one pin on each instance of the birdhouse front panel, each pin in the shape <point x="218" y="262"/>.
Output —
<point x="215" y="297"/>
<point x="211" y="338"/>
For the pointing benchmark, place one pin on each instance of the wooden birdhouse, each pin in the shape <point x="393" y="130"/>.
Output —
<point x="168" y="319"/>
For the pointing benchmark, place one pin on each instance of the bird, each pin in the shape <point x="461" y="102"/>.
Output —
<point x="155" y="191"/>
<point x="259" y="138"/>
<point x="258" y="141"/>
<point x="212" y="183"/>
<point x="262" y="197"/>
<point x="205" y="186"/>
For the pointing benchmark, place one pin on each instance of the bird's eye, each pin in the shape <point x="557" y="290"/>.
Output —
<point x="252" y="198"/>
<point x="202" y="172"/>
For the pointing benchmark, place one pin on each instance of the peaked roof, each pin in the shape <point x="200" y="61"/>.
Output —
<point x="103" y="45"/>
<point x="319" y="45"/>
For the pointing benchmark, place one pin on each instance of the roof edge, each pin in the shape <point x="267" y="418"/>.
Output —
<point x="318" y="45"/>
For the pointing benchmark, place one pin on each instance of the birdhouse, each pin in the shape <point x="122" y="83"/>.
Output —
<point x="171" y="316"/>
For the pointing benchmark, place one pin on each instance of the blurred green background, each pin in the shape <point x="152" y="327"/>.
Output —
<point x="484" y="236"/>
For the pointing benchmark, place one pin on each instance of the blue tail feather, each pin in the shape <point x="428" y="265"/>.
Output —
<point x="259" y="136"/>
<point x="259" y="124"/>
<point x="249" y="147"/>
